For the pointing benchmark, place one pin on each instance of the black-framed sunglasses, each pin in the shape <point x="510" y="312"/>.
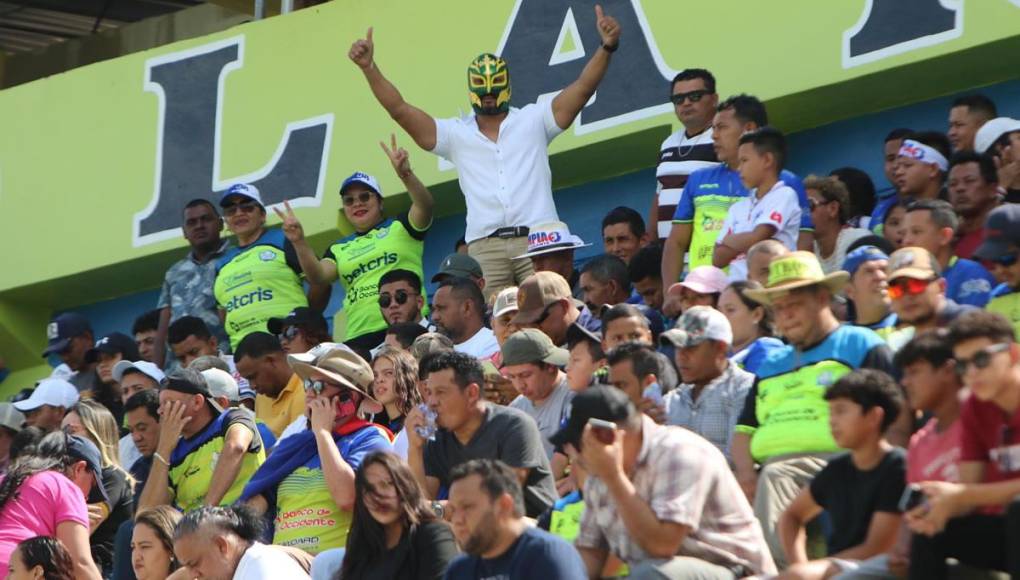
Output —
<point x="244" y="206"/>
<point x="400" y="296"/>
<point x="982" y="358"/>
<point x="546" y="312"/>
<point x="360" y="197"/>
<point x="816" y="203"/>
<point x="290" y="333"/>
<point x="318" y="386"/>
<point x="692" y="96"/>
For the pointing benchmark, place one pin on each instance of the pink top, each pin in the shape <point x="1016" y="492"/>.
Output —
<point x="935" y="456"/>
<point x="44" y="500"/>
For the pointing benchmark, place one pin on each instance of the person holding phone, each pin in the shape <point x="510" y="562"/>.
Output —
<point x="662" y="499"/>
<point x="307" y="484"/>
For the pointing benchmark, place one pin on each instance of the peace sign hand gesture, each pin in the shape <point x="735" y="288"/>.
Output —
<point x="609" y="28"/>
<point x="291" y="226"/>
<point x="398" y="157"/>
<point x="362" y="50"/>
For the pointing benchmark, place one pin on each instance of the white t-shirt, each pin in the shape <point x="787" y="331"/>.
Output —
<point x="481" y="346"/>
<point x="128" y="452"/>
<point x="262" y="562"/>
<point x="846" y="237"/>
<point x="506" y="183"/>
<point x="778" y="208"/>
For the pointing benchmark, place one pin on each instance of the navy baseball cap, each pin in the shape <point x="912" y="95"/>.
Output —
<point x="597" y="402"/>
<point x="1002" y="232"/>
<point x="300" y="316"/>
<point x="113" y="343"/>
<point x="857" y="258"/>
<point x="364" y="179"/>
<point x="81" y="449"/>
<point x="62" y="329"/>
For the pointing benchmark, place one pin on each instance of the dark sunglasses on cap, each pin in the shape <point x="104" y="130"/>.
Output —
<point x="244" y="206"/>
<point x="400" y="296"/>
<point x="981" y="359"/>
<point x="908" y="286"/>
<point x="693" y="96"/>
<point x="360" y="197"/>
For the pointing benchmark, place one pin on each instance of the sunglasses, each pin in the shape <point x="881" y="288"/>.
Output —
<point x="400" y="296"/>
<point x="981" y="358"/>
<point x="693" y="96"/>
<point x="290" y="333"/>
<point x="361" y="197"/>
<point x="244" y="207"/>
<point x="815" y="204"/>
<point x="318" y="386"/>
<point x="908" y="286"/>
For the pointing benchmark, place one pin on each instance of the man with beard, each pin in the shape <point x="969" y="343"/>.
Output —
<point x="458" y="311"/>
<point x="488" y="521"/>
<point x="488" y="168"/>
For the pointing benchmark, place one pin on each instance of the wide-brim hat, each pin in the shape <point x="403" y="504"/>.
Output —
<point x="796" y="270"/>
<point x="346" y="368"/>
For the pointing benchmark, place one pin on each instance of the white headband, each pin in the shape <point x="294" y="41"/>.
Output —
<point x="923" y="153"/>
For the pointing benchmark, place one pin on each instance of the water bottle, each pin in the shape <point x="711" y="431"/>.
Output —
<point x="653" y="392"/>
<point x="428" y="430"/>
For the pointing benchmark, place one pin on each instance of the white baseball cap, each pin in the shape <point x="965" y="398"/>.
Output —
<point x="244" y="190"/>
<point x="146" y="368"/>
<point x="990" y="132"/>
<point x="52" y="392"/>
<point x="221" y="384"/>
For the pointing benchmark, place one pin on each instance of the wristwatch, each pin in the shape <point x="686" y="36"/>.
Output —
<point x="611" y="47"/>
<point x="437" y="507"/>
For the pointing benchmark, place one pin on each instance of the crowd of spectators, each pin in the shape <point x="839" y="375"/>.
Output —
<point x="771" y="377"/>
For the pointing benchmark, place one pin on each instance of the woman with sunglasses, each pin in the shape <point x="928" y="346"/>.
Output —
<point x="307" y="484"/>
<point x="260" y="278"/>
<point x="378" y="245"/>
<point x="829" y="201"/>
<point x="394" y="534"/>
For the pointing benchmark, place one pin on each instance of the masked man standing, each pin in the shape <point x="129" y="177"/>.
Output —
<point x="491" y="146"/>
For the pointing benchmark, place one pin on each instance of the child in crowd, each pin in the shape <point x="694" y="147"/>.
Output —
<point x="771" y="210"/>
<point x="860" y="490"/>
<point x="587" y="364"/>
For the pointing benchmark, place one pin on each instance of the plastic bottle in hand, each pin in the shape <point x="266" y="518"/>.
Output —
<point x="428" y="430"/>
<point x="653" y="392"/>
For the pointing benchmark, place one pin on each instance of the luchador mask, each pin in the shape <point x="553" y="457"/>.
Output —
<point x="489" y="75"/>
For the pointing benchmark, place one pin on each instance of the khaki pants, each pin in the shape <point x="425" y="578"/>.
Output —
<point x="494" y="255"/>
<point x="779" y="482"/>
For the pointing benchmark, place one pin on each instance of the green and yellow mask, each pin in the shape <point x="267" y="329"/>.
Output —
<point x="489" y="75"/>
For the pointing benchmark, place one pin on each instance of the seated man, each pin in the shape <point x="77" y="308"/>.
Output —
<point x="860" y="490"/>
<point x="645" y="273"/>
<point x="460" y="265"/>
<point x="470" y="428"/>
<point x="49" y="402"/>
<point x="459" y="312"/>
<point x="977" y="521"/>
<point x="918" y="293"/>
<point x="605" y="282"/>
<point x="868" y="290"/>
<point x="205" y="454"/>
<point x="533" y="364"/>
<point x="133" y="378"/>
<point x="262" y="362"/>
<point x="623" y="233"/>
<point x="312" y="472"/>
<point x="488" y="521"/>
<point x="712" y="394"/>
<point x="662" y="499"/>
<point x="544" y="302"/>
<point x="551" y="249"/>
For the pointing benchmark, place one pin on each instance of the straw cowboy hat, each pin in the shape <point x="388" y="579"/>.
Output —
<point x="796" y="270"/>
<point x="343" y="366"/>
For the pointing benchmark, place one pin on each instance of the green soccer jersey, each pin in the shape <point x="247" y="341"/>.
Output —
<point x="362" y="259"/>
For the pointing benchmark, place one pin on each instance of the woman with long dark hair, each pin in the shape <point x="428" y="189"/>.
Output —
<point x="753" y="331"/>
<point x="394" y="534"/>
<point x="395" y="387"/>
<point x="152" y="543"/>
<point x="43" y="494"/>
<point x="40" y="558"/>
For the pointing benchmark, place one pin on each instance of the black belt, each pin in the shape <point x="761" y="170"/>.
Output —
<point x="511" y="232"/>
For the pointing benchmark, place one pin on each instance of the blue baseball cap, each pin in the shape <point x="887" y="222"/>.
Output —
<point x="81" y="449"/>
<point x="855" y="259"/>
<point x="62" y="329"/>
<point x="364" y="179"/>
<point x="245" y="190"/>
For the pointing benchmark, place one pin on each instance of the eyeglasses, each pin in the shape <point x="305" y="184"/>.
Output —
<point x="1006" y="261"/>
<point x="981" y="359"/>
<point x="693" y="96"/>
<point x="361" y="197"/>
<point x="244" y="207"/>
<point x="400" y="296"/>
<point x="290" y="333"/>
<point x="908" y="286"/>
<point x="318" y="386"/>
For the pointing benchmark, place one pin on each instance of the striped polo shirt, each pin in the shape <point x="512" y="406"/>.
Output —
<point x="679" y="156"/>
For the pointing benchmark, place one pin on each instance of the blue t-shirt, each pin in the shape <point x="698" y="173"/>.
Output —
<point x="882" y="207"/>
<point x="751" y="357"/>
<point x="536" y="554"/>
<point x="968" y="282"/>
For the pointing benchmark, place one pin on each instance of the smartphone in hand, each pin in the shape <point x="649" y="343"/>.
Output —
<point x="605" y="431"/>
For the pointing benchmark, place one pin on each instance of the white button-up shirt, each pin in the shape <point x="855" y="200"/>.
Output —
<point x="508" y="182"/>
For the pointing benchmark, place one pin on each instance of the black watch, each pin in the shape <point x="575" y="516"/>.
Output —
<point x="611" y="48"/>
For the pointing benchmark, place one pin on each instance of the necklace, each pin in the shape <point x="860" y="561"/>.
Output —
<point x="695" y="141"/>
